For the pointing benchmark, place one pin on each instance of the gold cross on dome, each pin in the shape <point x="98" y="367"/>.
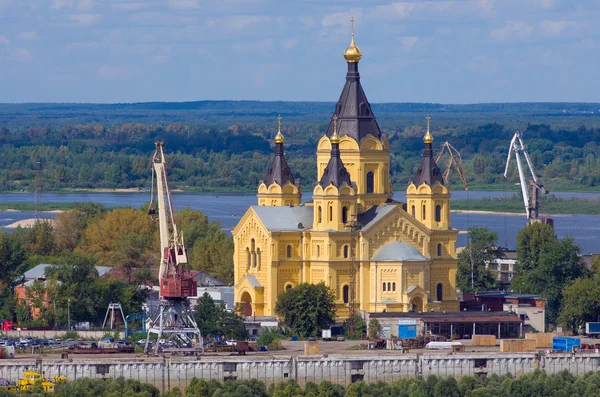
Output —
<point x="352" y="23"/>
<point x="428" y="119"/>
<point x="334" y="123"/>
<point x="279" y="123"/>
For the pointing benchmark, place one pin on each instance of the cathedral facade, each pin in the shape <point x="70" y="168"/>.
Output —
<point x="372" y="251"/>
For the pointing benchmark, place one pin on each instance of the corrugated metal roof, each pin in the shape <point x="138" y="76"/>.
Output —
<point x="40" y="271"/>
<point x="454" y="317"/>
<point x="285" y="219"/>
<point x="397" y="251"/>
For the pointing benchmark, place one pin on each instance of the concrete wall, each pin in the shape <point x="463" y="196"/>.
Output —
<point x="168" y="373"/>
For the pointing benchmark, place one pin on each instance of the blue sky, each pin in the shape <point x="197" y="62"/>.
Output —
<point x="448" y="51"/>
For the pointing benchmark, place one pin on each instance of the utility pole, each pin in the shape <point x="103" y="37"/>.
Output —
<point x="354" y="226"/>
<point x="69" y="312"/>
<point x="38" y="188"/>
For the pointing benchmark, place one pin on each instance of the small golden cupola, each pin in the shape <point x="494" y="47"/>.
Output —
<point x="279" y="186"/>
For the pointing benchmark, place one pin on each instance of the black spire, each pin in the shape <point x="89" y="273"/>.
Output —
<point x="279" y="171"/>
<point x="353" y="110"/>
<point x="428" y="171"/>
<point x="335" y="173"/>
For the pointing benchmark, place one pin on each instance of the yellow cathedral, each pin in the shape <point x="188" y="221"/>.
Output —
<point x="404" y="254"/>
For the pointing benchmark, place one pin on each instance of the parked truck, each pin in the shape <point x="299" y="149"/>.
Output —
<point x="326" y="334"/>
<point x="592" y="330"/>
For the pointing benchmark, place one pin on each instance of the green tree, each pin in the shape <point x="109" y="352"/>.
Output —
<point x="42" y="238"/>
<point x="472" y="275"/>
<point x="549" y="265"/>
<point x="213" y="318"/>
<point x="307" y="308"/>
<point x="374" y="328"/>
<point x="581" y="302"/>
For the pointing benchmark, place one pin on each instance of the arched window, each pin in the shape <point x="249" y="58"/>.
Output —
<point x="345" y="291"/>
<point x="345" y="249"/>
<point x="318" y="251"/>
<point x="331" y="213"/>
<point x="253" y="252"/>
<point x="344" y="214"/>
<point x="248" y="257"/>
<point x="394" y="287"/>
<point x="288" y="287"/>
<point x="439" y="291"/>
<point x="259" y="257"/>
<point x="389" y="286"/>
<point x="438" y="213"/>
<point x="289" y="251"/>
<point x="370" y="182"/>
<point x="319" y="215"/>
<point x="413" y="211"/>
<point x="424" y="212"/>
<point x="439" y="249"/>
<point x="383" y="287"/>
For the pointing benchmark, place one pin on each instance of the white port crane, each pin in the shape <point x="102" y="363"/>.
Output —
<point x="531" y="198"/>
<point x="175" y="321"/>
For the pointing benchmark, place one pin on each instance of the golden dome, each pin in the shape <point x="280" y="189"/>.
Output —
<point x="335" y="138"/>
<point x="352" y="53"/>
<point x="428" y="138"/>
<point x="279" y="137"/>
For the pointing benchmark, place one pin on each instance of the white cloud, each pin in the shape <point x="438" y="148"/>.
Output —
<point x="28" y="35"/>
<point x="84" y="19"/>
<point x="553" y="28"/>
<point x="85" y="5"/>
<point x="129" y="6"/>
<point x="399" y="10"/>
<point x="58" y="4"/>
<point x="236" y="22"/>
<point x="408" y="41"/>
<point x="514" y="29"/>
<point x="183" y="4"/>
<point x="545" y="3"/>
<point x="20" y="55"/>
<point x="3" y="39"/>
<point x="108" y="72"/>
<point x="340" y="18"/>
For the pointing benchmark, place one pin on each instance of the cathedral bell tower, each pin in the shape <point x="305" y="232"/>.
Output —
<point x="279" y="186"/>
<point x="427" y="196"/>
<point x="335" y="195"/>
<point x="363" y="149"/>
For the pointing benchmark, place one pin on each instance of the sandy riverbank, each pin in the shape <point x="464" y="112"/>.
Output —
<point x="27" y="222"/>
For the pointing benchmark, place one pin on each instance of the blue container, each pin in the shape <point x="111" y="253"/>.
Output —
<point x="294" y="338"/>
<point x="565" y="344"/>
<point x="263" y="348"/>
<point x="407" y="331"/>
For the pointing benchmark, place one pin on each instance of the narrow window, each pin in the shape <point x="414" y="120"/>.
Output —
<point x="330" y="213"/>
<point x="345" y="293"/>
<point x="320" y="215"/>
<point x="318" y="251"/>
<point x="289" y="251"/>
<point x="370" y="182"/>
<point x="439" y="249"/>
<point x="389" y="286"/>
<point x="248" y="257"/>
<point x="345" y="251"/>
<point x="438" y="213"/>
<point x="288" y="287"/>
<point x="394" y="287"/>
<point x="424" y="212"/>
<point x="383" y="287"/>
<point x="413" y="211"/>
<point x="439" y="292"/>
<point x="259" y="257"/>
<point x="344" y="214"/>
<point x="253" y="252"/>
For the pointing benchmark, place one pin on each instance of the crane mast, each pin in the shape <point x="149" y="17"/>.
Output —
<point x="454" y="159"/>
<point x="530" y="188"/>
<point x="176" y="284"/>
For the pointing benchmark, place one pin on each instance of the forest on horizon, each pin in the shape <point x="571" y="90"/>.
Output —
<point x="227" y="145"/>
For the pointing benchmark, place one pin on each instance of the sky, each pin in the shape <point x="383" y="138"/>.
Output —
<point x="443" y="51"/>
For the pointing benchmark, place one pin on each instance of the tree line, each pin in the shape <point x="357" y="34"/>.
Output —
<point x="234" y="155"/>
<point x="125" y="239"/>
<point x="535" y="384"/>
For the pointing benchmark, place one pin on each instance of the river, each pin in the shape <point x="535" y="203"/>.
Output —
<point x="228" y="208"/>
